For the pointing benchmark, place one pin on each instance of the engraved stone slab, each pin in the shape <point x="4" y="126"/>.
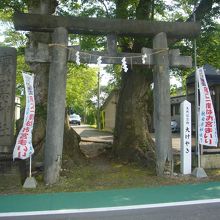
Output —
<point x="7" y="97"/>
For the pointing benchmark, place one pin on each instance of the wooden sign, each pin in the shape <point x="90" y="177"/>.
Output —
<point x="186" y="135"/>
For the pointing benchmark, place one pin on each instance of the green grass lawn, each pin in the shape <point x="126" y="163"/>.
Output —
<point x="100" y="174"/>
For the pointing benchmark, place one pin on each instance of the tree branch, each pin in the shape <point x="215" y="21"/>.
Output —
<point x="203" y="8"/>
<point x="106" y="9"/>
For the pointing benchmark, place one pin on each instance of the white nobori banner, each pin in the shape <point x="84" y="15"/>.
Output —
<point x="207" y="130"/>
<point x="23" y="147"/>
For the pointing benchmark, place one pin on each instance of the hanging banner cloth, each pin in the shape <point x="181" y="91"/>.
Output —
<point x="23" y="147"/>
<point x="207" y="131"/>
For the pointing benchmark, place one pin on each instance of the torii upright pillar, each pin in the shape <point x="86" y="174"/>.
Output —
<point x="162" y="58"/>
<point x="56" y="106"/>
<point x="162" y="116"/>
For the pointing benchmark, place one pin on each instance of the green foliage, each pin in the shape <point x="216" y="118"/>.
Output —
<point x="11" y="37"/>
<point x="14" y="38"/>
<point x="208" y="43"/>
<point x="21" y="67"/>
<point x="14" y="5"/>
<point x="114" y="83"/>
<point x="173" y="90"/>
<point x="209" y="47"/>
<point x="92" y="43"/>
<point x="81" y="83"/>
<point x="6" y="15"/>
<point x="90" y="117"/>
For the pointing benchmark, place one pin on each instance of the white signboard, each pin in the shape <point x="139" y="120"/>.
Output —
<point x="23" y="147"/>
<point x="207" y="131"/>
<point x="186" y="142"/>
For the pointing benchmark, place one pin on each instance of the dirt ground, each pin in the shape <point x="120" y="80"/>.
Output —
<point x="91" y="134"/>
<point x="93" y="142"/>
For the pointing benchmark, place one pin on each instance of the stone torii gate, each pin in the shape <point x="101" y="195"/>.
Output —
<point x="160" y="57"/>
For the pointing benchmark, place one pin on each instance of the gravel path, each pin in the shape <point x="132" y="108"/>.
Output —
<point x="91" y="134"/>
<point x="93" y="137"/>
<point x="93" y="142"/>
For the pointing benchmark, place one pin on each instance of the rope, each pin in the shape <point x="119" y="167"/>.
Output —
<point x="156" y="51"/>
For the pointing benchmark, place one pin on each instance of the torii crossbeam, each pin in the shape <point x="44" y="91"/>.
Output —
<point x="104" y="26"/>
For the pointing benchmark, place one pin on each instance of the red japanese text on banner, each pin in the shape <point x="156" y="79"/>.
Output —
<point x="23" y="147"/>
<point x="207" y="131"/>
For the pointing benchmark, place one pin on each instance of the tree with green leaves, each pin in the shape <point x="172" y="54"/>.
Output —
<point x="81" y="88"/>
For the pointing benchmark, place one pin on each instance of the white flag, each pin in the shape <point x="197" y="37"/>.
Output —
<point x="23" y="147"/>
<point x="207" y="131"/>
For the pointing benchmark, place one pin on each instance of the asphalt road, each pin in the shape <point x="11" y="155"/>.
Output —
<point x="199" y="201"/>
<point x="210" y="211"/>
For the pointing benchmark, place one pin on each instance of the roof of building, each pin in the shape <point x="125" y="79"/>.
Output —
<point x="114" y="92"/>
<point x="212" y="75"/>
<point x="177" y="99"/>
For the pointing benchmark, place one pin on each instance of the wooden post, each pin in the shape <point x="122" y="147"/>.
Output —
<point x="56" y="106"/>
<point x="162" y="117"/>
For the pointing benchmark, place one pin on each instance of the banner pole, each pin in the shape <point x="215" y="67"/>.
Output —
<point x="196" y="98"/>
<point x="30" y="167"/>
<point x="196" y="119"/>
<point x="198" y="171"/>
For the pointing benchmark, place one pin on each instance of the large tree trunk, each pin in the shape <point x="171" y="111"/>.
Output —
<point x="132" y="141"/>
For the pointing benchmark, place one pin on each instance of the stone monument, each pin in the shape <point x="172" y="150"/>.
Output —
<point x="7" y="98"/>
